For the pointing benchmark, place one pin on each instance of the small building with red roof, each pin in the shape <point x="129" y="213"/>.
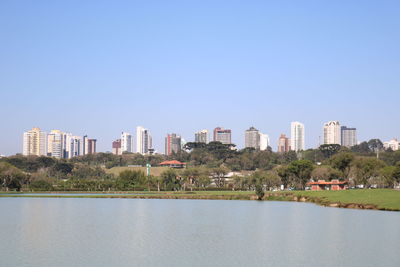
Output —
<point x="173" y="164"/>
<point x="331" y="185"/>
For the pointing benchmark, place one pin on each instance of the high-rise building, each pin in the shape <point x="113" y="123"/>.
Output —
<point x="252" y="138"/>
<point x="126" y="142"/>
<point x="73" y="146"/>
<point x="85" y="145"/>
<point x="173" y="144"/>
<point x="143" y="140"/>
<point x="55" y="142"/>
<point x="34" y="143"/>
<point x="65" y="145"/>
<point x="332" y="133"/>
<point x="283" y="144"/>
<point x="392" y="144"/>
<point x="349" y="136"/>
<point x="223" y="135"/>
<point x="116" y="147"/>
<point x="297" y="138"/>
<point x="201" y="136"/>
<point x="91" y="146"/>
<point x="264" y="141"/>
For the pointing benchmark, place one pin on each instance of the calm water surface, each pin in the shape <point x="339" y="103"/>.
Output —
<point x="144" y="232"/>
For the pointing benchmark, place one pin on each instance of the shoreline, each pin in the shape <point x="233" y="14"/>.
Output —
<point x="295" y="196"/>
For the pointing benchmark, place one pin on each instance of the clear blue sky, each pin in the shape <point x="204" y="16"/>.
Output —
<point x="102" y="67"/>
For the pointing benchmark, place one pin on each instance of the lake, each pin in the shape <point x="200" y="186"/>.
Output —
<point x="151" y="232"/>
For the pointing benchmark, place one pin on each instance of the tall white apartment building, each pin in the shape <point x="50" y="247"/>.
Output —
<point x="34" y="143"/>
<point x="73" y="146"/>
<point x="201" y="137"/>
<point x="332" y="133"/>
<point x="297" y="138"/>
<point x="264" y="141"/>
<point x="144" y="141"/>
<point x="55" y="142"/>
<point x="126" y="142"/>
<point x="252" y="138"/>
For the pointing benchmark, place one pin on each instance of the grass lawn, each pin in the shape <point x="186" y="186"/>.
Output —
<point x="155" y="171"/>
<point x="382" y="198"/>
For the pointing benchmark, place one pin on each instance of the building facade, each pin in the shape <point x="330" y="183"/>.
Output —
<point x="252" y="138"/>
<point x="34" y="143"/>
<point x="73" y="146"/>
<point x="283" y="144"/>
<point x="55" y="144"/>
<point x="332" y="133"/>
<point x="264" y="141"/>
<point x="55" y="141"/>
<point x="126" y="142"/>
<point x="392" y="144"/>
<point x="173" y="144"/>
<point x="144" y="141"/>
<point x="297" y="138"/>
<point x="349" y="136"/>
<point x="201" y="137"/>
<point x="116" y="147"/>
<point x="223" y="135"/>
<point x="92" y="143"/>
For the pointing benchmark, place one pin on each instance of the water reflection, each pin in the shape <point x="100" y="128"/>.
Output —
<point x="140" y="232"/>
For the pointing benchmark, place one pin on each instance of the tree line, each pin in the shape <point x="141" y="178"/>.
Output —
<point x="367" y="164"/>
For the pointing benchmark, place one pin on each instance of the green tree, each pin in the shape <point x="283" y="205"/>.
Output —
<point x="396" y="173"/>
<point x="362" y="148"/>
<point x="284" y="174"/>
<point x="375" y="145"/>
<point x="63" y="168"/>
<point x="41" y="185"/>
<point x="272" y="179"/>
<point x="204" y="180"/>
<point x="301" y="172"/>
<point x="342" y="162"/>
<point x="218" y="175"/>
<point x="366" y="168"/>
<point x="328" y="150"/>
<point x="387" y="175"/>
<point x="130" y="180"/>
<point x="191" y="176"/>
<point x="326" y="173"/>
<point x="221" y="151"/>
<point x="11" y="177"/>
<point x="259" y="191"/>
<point x="171" y="180"/>
<point x="390" y="157"/>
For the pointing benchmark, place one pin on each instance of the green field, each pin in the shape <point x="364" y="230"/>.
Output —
<point x="155" y="171"/>
<point x="381" y="198"/>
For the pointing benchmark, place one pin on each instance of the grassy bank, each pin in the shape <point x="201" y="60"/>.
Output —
<point x="380" y="199"/>
<point x="385" y="199"/>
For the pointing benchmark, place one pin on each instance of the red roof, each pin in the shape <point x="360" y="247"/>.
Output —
<point x="323" y="182"/>
<point x="172" y="162"/>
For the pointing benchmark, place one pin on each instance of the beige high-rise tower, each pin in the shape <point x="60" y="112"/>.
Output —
<point x="55" y="144"/>
<point x="332" y="133"/>
<point x="34" y="143"/>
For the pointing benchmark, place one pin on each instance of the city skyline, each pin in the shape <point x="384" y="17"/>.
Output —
<point x="57" y="144"/>
<point x="65" y="145"/>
